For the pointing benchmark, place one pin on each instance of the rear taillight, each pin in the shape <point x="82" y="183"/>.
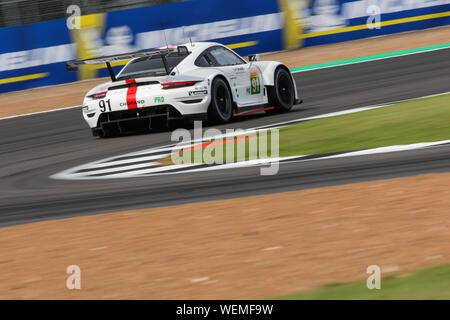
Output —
<point x="180" y="84"/>
<point x="99" y="95"/>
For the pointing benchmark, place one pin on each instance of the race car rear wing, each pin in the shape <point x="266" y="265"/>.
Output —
<point x="74" y="65"/>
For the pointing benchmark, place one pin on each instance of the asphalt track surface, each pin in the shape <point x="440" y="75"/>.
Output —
<point x="32" y="148"/>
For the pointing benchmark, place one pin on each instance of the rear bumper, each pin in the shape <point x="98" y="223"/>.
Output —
<point x="156" y="117"/>
<point x="119" y="102"/>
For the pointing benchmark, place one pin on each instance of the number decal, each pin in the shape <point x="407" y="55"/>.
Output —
<point x="255" y="83"/>
<point x="103" y="104"/>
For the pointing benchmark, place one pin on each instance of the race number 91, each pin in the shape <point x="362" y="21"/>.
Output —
<point x="105" y="105"/>
<point x="255" y="85"/>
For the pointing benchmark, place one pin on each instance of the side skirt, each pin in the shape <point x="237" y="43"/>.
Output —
<point x="252" y="109"/>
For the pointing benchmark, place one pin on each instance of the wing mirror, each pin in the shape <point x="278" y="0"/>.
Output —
<point x="253" y="57"/>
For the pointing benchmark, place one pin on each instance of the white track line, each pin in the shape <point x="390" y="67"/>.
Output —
<point x="120" y="162"/>
<point x="74" y="174"/>
<point x="347" y="111"/>
<point x="388" y="149"/>
<point x="112" y="170"/>
<point x="291" y="159"/>
<point x="190" y="168"/>
<point x="284" y="124"/>
<point x="39" y="112"/>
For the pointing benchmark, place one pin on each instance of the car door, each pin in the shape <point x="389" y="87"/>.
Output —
<point x="245" y="79"/>
<point x="254" y="90"/>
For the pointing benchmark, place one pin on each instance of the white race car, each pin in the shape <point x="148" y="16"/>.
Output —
<point x="201" y="80"/>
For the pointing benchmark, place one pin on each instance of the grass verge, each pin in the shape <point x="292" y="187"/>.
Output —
<point x="414" y="121"/>
<point x="422" y="120"/>
<point x="430" y="283"/>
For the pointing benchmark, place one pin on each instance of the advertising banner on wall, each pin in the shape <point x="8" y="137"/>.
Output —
<point x="34" y="55"/>
<point x="316" y="22"/>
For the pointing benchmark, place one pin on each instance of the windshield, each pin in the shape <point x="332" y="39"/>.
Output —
<point x="150" y="66"/>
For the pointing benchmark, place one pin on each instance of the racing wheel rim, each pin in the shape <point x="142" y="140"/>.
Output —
<point x="284" y="89"/>
<point x="223" y="100"/>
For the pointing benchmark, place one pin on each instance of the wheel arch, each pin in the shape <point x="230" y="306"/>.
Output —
<point x="268" y="70"/>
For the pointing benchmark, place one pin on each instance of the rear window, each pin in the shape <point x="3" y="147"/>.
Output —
<point x="204" y="61"/>
<point x="150" y="66"/>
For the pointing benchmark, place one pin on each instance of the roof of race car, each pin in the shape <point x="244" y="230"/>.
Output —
<point x="199" y="46"/>
<point x="194" y="48"/>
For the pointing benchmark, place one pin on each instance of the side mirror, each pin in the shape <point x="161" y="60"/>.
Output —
<point x="253" y="57"/>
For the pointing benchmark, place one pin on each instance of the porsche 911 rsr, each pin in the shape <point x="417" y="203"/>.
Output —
<point x="203" y="80"/>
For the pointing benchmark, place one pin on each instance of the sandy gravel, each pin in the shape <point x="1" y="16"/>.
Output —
<point x="253" y="247"/>
<point x="67" y="95"/>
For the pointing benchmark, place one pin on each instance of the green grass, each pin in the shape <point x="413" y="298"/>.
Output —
<point x="430" y="283"/>
<point x="407" y="122"/>
<point x="234" y="155"/>
<point x="422" y="120"/>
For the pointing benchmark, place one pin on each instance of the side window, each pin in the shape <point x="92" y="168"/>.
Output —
<point x="225" y="57"/>
<point x="204" y="61"/>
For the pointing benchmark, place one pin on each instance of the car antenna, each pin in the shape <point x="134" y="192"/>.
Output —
<point x="190" y="39"/>
<point x="164" y="34"/>
<point x="163" y="57"/>
<point x="165" y="39"/>
<point x="184" y="33"/>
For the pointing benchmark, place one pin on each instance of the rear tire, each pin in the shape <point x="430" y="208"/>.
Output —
<point x="221" y="108"/>
<point x="282" y="94"/>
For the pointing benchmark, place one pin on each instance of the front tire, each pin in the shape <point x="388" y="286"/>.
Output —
<point x="221" y="108"/>
<point x="282" y="94"/>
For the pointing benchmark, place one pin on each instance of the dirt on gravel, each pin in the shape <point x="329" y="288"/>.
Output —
<point x="253" y="247"/>
<point x="48" y="98"/>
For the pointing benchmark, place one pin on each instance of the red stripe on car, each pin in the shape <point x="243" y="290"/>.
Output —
<point x="253" y="111"/>
<point x="131" y="95"/>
